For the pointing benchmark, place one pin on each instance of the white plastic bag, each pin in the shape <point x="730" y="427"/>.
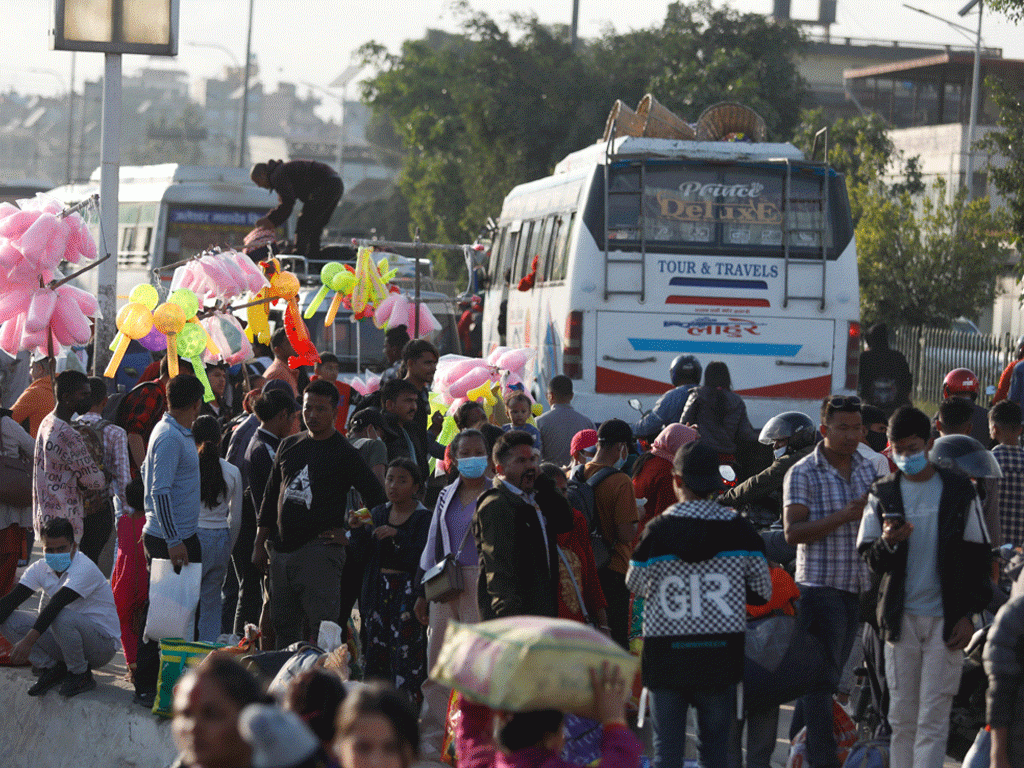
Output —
<point x="173" y="599"/>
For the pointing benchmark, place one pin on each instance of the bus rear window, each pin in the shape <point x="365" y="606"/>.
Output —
<point x="728" y="207"/>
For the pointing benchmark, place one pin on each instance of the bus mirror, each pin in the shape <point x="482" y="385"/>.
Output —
<point x="634" y="403"/>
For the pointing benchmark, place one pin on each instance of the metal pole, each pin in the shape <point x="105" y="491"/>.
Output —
<point x="416" y="301"/>
<point x="245" y="92"/>
<point x="973" y="124"/>
<point x="341" y="134"/>
<point x="574" y="29"/>
<point x="71" y="115"/>
<point x="110" y="162"/>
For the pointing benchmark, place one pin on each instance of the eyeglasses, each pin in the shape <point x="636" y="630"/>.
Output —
<point x="843" y="401"/>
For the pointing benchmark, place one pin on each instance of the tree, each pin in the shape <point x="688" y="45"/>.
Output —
<point x="706" y="55"/>
<point x="1008" y="142"/>
<point x="929" y="265"/>
<point x="499" y="105"/>
<point x="1013" y="9"/>
<point x="860" y="149"/>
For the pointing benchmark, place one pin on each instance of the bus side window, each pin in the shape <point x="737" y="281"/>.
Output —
<point x="561" y="255"/>
<point x="551" y="248"/>
<point x="499" y="252"/>
<point x="541" y="250"/>
<point x="523" y="251"/>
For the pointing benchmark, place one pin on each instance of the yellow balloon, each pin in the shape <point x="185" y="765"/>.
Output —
<point x="484" y="393"/>
<point x="145" y="294"/>
<point x="134" y="320"/>
<point x="169" y="318"/>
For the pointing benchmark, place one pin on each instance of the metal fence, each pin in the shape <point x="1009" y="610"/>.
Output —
<point x="934" y="352"/>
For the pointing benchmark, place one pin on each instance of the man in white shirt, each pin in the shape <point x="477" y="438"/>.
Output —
<point x="77" y="628"/>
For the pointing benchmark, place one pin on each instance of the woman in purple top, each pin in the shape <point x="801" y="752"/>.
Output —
<point x="449" y="534"/>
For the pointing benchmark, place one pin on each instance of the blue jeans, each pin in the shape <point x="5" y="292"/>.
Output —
<point x="716" y="725"/>
<point x="831" y="615"/>
<point x="216" y="545"/>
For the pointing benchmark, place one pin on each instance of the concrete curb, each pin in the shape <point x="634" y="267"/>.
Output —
<point x="98" y="728"/>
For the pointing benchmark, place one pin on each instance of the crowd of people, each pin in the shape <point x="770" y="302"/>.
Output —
<point x="871" y="532"/>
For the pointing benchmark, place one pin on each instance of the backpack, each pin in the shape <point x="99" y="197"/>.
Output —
<point x="580" y="494"/>
<point x="92" y="436"/>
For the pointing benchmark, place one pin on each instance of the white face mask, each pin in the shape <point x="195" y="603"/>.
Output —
<point x="780" y="452"/>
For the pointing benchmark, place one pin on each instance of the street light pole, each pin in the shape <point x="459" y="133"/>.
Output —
<point x="975" y="87"/>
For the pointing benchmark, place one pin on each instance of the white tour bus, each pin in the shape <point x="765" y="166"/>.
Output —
<point x="170" y="212"/>
<point x="649" y="248"/>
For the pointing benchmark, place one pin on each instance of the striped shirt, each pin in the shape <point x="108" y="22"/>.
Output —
<point x="814" y="483"/>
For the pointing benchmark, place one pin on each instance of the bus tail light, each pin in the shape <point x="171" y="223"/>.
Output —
<point x="572" y="351"/>
<point x="853" y="356"/>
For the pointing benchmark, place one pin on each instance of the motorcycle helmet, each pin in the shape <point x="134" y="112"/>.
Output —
<point x="796" y="426"/>
<point x="964" y="454"/>
<point x="960" y="382"/>
<point x="685" y="366"/>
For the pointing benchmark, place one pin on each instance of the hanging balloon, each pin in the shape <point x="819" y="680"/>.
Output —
<point x="154" y="341"/>
<point x="145" y="294"/>
<point x="191" y="341"/>
<point x="169" y="319"/>
<point x="134" y="321"/>
<point x="327" y="273"/>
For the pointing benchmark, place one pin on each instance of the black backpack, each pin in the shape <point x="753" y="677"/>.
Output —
<point x="580" y="494"/>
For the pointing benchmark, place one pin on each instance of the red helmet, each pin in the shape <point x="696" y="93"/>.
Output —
<point x="960" y="382"/>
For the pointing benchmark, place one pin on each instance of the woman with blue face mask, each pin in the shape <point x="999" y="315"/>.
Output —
<point x="450" y="535"/>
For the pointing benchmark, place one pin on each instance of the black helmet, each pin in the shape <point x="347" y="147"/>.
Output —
<point x="685" y="366"/>
<point x="796" y="426"/>
<point x="964" y="454"/>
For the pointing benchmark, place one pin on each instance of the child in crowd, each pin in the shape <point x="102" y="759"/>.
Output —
<point x="518" y="405"/>
<point x="376" y="729"/>
<point x="130" y="579"/>
<point x="394" y="640"/>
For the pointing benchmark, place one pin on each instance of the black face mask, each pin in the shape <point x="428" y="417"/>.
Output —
<point x="877" y="440"/>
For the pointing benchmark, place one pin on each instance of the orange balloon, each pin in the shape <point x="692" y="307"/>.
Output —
<point x="168" y="318"/>
<point x="285" y="284"/>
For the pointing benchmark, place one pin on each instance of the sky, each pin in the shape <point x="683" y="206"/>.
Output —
<point x="312" y="41"/>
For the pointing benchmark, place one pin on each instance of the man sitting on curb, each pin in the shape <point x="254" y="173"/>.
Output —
<point x="77" y="629"/>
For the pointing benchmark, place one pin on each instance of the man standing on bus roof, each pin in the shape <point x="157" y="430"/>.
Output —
<point x="685" y="373"/>
<point x="315" y="184"/>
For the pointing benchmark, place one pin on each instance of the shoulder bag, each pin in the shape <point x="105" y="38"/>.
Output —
<point x="15" y="477"/>
<point x="444" y="581"/>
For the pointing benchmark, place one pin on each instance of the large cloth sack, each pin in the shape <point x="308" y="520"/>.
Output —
<point x="173" y="599"/>
<point x="782" y="663"/>
<point x="524" y="663"/>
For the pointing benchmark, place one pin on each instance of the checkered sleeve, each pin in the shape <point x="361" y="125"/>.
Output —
<point x="796" y="487"/>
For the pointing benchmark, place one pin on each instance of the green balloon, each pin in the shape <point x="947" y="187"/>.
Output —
<point x="329" y="270"/>
<point x="191" y="341"/>
<point x="186" y="299"/>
